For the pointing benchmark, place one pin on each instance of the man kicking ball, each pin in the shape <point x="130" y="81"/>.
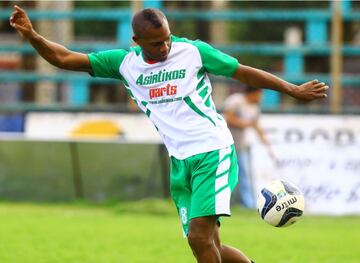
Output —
<point x="167" y="77"/>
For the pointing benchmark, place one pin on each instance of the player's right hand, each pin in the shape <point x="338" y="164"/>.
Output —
<point x="21" y="22"/>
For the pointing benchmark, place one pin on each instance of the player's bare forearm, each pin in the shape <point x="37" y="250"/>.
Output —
<point x="54" y="53"/>
<point x="261" y="79"/>
<point x="59" y="55"/>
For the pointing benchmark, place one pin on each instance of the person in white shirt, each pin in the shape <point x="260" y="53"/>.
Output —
<point x="242" y="112"/>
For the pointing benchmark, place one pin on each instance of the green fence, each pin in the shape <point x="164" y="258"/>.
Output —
<point x="316" y="42"/>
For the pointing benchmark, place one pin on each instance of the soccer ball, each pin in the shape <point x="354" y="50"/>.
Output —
<point x="280" y="203"/>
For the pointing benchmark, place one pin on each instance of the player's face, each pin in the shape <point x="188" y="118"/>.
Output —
<point x="155" y="42"/>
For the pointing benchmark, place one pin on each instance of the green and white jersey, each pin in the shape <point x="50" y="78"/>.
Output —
<point x="176" y="93"/>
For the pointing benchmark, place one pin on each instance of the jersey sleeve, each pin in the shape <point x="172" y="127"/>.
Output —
<point x="106" y="64"/>
<point x="215" y="61"/>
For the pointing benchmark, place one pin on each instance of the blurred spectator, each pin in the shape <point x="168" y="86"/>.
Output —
<point x="241" y="112"/>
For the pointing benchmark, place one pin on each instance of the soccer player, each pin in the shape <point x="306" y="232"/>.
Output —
<point x="167" y="77"/>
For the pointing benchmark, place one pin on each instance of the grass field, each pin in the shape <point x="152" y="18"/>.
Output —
<point x="149" y="232"/>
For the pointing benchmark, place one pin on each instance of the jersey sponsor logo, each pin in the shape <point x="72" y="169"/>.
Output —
<point x="163" y="91"/>
<point x="161" y="76"/>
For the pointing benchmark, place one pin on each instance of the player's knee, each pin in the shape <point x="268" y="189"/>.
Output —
<point x="199" y="241"/>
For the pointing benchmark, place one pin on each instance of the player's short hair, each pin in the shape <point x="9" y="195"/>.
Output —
<point x="147" y="17"/>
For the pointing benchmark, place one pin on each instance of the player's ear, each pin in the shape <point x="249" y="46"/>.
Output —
<point x="135" y="39"/>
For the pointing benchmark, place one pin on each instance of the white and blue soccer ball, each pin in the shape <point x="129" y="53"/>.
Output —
<point x="280" y="203"/>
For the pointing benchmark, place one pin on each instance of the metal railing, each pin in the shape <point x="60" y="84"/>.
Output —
<point x="317" y="43"/>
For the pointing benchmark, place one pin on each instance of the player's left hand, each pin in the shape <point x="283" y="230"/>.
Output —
<point x="310" y="91"/>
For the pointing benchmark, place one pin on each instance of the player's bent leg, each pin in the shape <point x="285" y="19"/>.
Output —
<point x="201" y="239"/>
<point x="229" y="254"/>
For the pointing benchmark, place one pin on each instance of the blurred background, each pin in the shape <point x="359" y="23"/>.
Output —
<point x="67" y="136"/>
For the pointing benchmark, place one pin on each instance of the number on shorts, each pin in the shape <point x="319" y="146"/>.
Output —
<point x="183" y="215"/>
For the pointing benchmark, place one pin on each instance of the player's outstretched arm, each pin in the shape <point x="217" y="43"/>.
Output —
<point x="261" y="79"/>
<point x="54" y="53"/>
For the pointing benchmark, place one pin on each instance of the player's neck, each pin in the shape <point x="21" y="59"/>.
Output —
<point x="150" y="61"/>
